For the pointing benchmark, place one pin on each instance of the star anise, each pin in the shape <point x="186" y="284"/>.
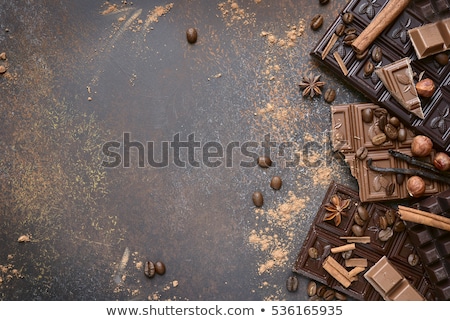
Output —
<point x="311" y="85"/>
<point x="336" y="208"/>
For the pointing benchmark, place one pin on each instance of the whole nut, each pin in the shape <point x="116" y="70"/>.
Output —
<point x="441" y="161"/>
<point x="316" y="22"/>
<point x="415" y="186"/>
<point x="330" y="95"/>
<point x="311" y="289"/>
<point x="347" y="18"/>
<point x="421" y="146"/>
<point x="425" y="88"/>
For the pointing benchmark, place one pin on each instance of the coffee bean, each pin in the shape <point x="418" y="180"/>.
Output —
<point x="361" y="153"/>
<point x="149" y="269"/>
<point x="391" y="132"/>
<point x="385" y="235"/>
<point x="347" y="254"/>
<point x="315" y="298"/>
<point x="382" y="122"/>
<point x="323" y="2"/>
<point x="394" y="121"/>
<point x="399" y="227"/>
<point x="339" y="31"/>
<point x="264" y="161"/>
<point x="160" y="268"/>
<point x="413" y="259"/>
<point x="311" y="289"/>
<point x="292" y="284"/>
<point x="340" y="296"/>
<point x="316" y="22"/>
<point x="191" y="35"/>
<point x="348" y="39"/>
<point x="377" y="54"/>
<point x="330" y="95"/>
<point x="276" y="182"/>
<point x="359" y="220"/>
<point x="390" y="189"/>
<point x="382" y="222"/>
<point x="258" y="199"/>
<point x="441" y="58"/>
<point x="313" y="253"/>
<point x="390" y="217"/>
<point x="321" y="290"/>
<point x="379" y="139"/>
<point x="399" y="178"/>
<point x="362" y="55"/>
<point x="401" y="137"/>
<point x="357" y="230"/>
<point x="368" y="68"/>
<point x="362" y="212"/>
<point x="367" y="115"/>
<point x="329" y="295"/>
<point x="378" y="112"/>
<point x="347" y="18"/>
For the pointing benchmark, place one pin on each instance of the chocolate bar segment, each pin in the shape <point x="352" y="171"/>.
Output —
<point x="395" y="44"/>
<point x="325" y="235"/>
<point x="390" y="283"/>
<point x="433" y="244"/>
<point x="431" y="38"/>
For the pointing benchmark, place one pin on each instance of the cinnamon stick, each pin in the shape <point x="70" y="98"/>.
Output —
<point x="425" y="218"/>
<point x="356" y="239"/>
<point x="383" y="19"/>
<point x="355" y="271"/>
<point x="343" y="248"/>
<point x="337" y="271"/>
<point x="361" y="262"/>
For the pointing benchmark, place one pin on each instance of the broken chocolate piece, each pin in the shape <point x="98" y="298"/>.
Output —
<point x="431" y="38"/>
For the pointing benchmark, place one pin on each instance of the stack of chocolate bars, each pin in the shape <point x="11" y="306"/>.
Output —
<point x="395" y="53"/>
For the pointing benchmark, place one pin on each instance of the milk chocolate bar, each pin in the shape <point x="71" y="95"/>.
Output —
<point x="324" y="234"/>
<point x="430" y="39"/>
<point x="353" y="134"/>
<point x="392" y="45"/>
<point x="390" y="283"/>
<point x="433" y="244"/>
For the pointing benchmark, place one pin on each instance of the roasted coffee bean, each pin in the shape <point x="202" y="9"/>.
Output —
<point x="339" y="31"/>
<point x="362" y="212"/>
<point x="385" y="235"/>
<point x="399" y="178"/>
<point x="264" y="161"/>
<point x="340" y="296"/>
<point x="330" y="95"/>
<point x="367" y="115"/>
<point x="313" y="253"/>
<point x="378" y="112"/>
<point x="359" y="220"/>
<point x="441" y="58"/>
<point x="149" y="269"/>
<point x="329" y="295"/>
<point x="391" y="132"/>
<point x="311" y="289"/>
<point x="292" y="283"/>
<point x="399" y="227"/>
<point x="258" y="199"/>
<point x="191" y="35"/>
<point x="348" y="39"/>
<point x="382" y="222"/>
<point x="347" y="254"/>
<point x="315" y="298"/>
<point x="160" y="268"/>
<point x="350" y="31"/>
<point x="362" y="55"/>
<point x="390" y="189"/>
<point x="361" y="153"/>
<point x="347" y="18"/>
<point x="276" y="182"/>
<point x="394" y="121"/>
<point x="390" y="217"/>
<point x="377" y="54"/>
<point x="323" y="2"/>
<point x="382" y="122"/>
<point x="368" y="68"/>
<point x="413" y="259"/>
<point x="401" y="137"/>
<point x="321" y="290"/>
<point x="316" y="22"/>
<point x="379" y="139"/>
<point x="357" y="230"/>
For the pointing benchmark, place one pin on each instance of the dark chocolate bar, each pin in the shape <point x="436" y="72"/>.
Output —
<point x="433" y="244"/>
<point x="326" y="234"/>
<point x="392" y="45"/>
<point x="350" y="134"/>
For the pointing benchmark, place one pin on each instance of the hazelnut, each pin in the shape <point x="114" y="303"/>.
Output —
<point x="425" y="87"/>
<point x="421" y="146"/>
<point x="441" y="161"/>
<point x="415" y="186"/>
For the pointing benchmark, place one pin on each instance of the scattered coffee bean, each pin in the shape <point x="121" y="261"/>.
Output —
<point x="391" y="132"/>
<point x="191" y="35"/>
<point x="385" y="235"/>
<point x="379" y="139"/>
<point x="340" y="296"/>
<point x="149" y="269"/>
<point x="399" y="178"/>
<point x="359" y="220"/>
<point x="390" y="189"/>
<point x="264" y="161"/>
<point x="362" y="55"/>
<point x="329" y="295"/>
<point x="382" y="222"/>
<point x="367" y="115"/>
<point x="399" y="227"/>
<point x="347" y="18"/>
<point x="311" y="289"/>
<point x="316" y="22"/>
<point x="377" y="54"/>
<point x="276" y="182"/>
<point x="292" y="284"/>
<point x="348" y="39"/>
<point x="357" y="230"/>
<point x="394" y="121"/>
<point x="313" y="253"/>
<point x="361" y="153"/>
<point x="390" y="217"/>
<point x="413" y="259"/>
<point x="441" y="58"/>
<point x="368" y="68"/>
<point x="402" y="134"/>
<point x="378" y="112"/>
<point x="362" y="212"/>
<point x="321" y="290"/>
<point x="347" y="254"/>
<point x="315" y="298"/>
<point x="258" y="199"/>
<point x="330" y="95"/>
<point x="339" y="31"/>
<point x="382" y="122"/>
<point x="160" y="268"/>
